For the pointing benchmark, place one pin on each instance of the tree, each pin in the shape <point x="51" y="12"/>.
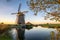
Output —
<point x="53" y="16"/>
<point x="52" y="5"/>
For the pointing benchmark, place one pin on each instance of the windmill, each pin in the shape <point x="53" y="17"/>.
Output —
<point x="20" y="15"/>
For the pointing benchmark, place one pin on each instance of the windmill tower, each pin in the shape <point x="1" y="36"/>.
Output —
<point x="20" y="16"/>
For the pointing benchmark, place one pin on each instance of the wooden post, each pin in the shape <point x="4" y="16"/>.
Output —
<point x="52" y="34"/>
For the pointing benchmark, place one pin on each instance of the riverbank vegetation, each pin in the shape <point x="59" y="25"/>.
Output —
<point x="5" y="37"/>
<point x="6" y="27"/>
<point x="50" y="25"/>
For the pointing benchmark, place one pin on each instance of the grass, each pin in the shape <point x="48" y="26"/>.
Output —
<point x="51" y="25"/>
<point x="5" y="37"/>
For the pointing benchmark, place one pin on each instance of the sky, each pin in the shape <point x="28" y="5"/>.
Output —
<point x="7" y="8"/>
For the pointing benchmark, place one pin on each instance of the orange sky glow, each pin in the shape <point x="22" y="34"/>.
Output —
<point x="33" y="22"/>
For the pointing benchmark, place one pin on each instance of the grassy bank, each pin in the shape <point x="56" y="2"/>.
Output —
<point x="51" y="25"/>
<point x="5" y="37"/>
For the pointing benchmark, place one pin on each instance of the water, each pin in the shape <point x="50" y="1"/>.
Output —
<point x="13" y="33"/>
<point x="39" y="33"/>
<point x="36" y="33"/>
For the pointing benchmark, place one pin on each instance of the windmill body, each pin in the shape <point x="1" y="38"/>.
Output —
<point x="20" y="18"/>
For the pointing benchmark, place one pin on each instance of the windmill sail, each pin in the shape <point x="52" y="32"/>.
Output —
<point x="19" y="7"/>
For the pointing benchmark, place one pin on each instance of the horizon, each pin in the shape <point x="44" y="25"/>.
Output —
<point x="32" y="22"/>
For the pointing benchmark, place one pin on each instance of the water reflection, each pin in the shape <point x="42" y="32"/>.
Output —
<point x="39" y="33"/>
<point x="35" y="33"/>
<point x="13" y="33"/>
<point x="21" y="32"/>
<point x="17" y="33"/>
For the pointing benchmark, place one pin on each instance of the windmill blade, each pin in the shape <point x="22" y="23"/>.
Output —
<point x="25" y="12"/>
<point x="19" y="7"/>
<point x="13" y="13"/>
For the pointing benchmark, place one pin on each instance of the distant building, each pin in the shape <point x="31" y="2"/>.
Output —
<point x="28" y="23"/>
